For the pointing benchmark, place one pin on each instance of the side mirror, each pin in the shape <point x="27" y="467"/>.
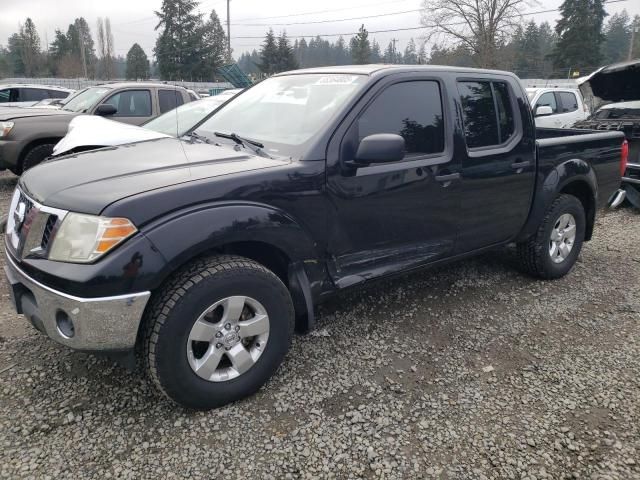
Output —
<point x="379" y="148"/>
<point x="106" y="109"/>
<point x="543" y="111"/>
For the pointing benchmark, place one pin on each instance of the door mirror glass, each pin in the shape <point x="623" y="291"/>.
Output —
<point x="543" y="111"/>
<point x="380" y="148"/>
<point x="106" y="109"/>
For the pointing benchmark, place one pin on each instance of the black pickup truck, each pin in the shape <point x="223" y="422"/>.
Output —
<point x="205" y="252"/>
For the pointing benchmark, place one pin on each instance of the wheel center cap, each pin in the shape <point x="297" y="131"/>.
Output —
<point x="230" y="339"/>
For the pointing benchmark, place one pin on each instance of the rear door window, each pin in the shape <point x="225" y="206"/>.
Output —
<point x="487" y="113"/>
<point x="5" y="95"/>
<point x="131" y="103"/>
<point x="32" y="94"/>
<point x="169" y="99"/>
<point x="548" y="100"/>
<point x="568" y="101"/>
<point x="412" y="110"/>
<point x="57" y="94"/>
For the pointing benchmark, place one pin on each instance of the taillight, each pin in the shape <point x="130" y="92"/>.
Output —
<point x="624" y="157"/>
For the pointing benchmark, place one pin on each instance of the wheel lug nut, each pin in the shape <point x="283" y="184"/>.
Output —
<point x="218" y="345"/>
<point x="228" y="326"/>
<point x="237" y="329"/>
<point x="219" y="334"/>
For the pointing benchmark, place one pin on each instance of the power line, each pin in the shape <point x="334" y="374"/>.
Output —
<point x="327" y="21"/>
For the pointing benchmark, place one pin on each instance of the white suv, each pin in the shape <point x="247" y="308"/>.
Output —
<point x="566" y="107"/>
<point x="24" y="95"/>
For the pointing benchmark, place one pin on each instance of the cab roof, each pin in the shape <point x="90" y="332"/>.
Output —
<point x="382" y="69"/>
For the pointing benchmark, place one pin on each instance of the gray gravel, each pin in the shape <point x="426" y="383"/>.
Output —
<point x="470" y="371"/>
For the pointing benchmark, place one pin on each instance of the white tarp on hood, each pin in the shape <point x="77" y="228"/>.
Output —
<point x="95" y="131"/>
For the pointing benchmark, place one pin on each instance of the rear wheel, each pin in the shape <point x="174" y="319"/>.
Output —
<point x="218" y="331"/>
<point x="35" y="156"/>
<point x="553" y="250"/>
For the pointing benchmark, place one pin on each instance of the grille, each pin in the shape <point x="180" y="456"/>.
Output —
<point x="48" y="230"/>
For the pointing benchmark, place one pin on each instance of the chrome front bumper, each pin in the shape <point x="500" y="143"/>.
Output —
<point x="107" y="323"/>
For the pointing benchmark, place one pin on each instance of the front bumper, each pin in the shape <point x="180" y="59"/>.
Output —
<point x="99" y="324"/>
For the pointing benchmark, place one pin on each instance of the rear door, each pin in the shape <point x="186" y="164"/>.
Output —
<point x="392" y="216"/>
<point x="569" y="111"/>
<point x="169" y="99"/>
<point x="498" y="161"/>
<point x="133" y="106"/>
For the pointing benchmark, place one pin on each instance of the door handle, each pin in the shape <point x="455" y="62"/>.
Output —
<point x="447" y="179"/>
<point x="519" y="165"/>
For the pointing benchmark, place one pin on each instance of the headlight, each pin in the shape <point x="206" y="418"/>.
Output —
<point x="83" y="238"/>
<point x="5" y="128"/>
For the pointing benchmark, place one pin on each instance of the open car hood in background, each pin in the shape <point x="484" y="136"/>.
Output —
<point x="93" y="131"/>
<point x="618" y="82"/>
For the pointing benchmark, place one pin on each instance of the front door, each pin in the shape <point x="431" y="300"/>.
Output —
<point x="133" y="106"/>
<point x="391" y="216"/>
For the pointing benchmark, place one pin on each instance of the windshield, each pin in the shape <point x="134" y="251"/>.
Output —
<point x="180" y="120"/>
<point x="285" y="112"/>
<point x="614" y="113"/>
<point x="85" y="99"/>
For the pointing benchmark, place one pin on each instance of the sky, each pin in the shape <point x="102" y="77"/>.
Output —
<point x="133" y="20"/>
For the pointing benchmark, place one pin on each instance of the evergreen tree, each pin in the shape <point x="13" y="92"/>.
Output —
<point x="422" y="54"/>
<point x="360" y="47"/>
<point x="376" y="54"/>
<point x="214" y="52"/>
<point x="301" y="52"/>
<point x="390" y="54"/>
<point x="14" y="55"/>
<point x="580" y="35"/>
<point x="635" y="48"/>
<point x="617" y="37"/>
<point x="410" y="53"/>
<point x="137" y="63"/>
<point x="5" y="66"/>
<point x="528" y="51"/>
<point x="269" y="54"/>
<point x="180" y="44"/>
<point x="286" y="59"/>
<point x="30" y="48"/>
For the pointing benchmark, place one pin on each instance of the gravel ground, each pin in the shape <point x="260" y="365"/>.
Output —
<point x="471" y="371"/>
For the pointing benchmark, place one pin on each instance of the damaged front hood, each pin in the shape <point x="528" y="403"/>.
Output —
<point x="619" y="82"/>
<point x="93" y="131"/>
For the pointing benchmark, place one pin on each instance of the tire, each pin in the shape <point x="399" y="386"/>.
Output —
<point x="535" y="255"/>
<point x="169" y="351"/>
<point x="36" y="155"/>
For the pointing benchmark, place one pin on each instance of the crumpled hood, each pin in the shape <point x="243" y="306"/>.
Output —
<point x="95" y="131"/>
<point x="90" y="181"/>
<point x="11" y="113"/>
<point x="619" y="82"/>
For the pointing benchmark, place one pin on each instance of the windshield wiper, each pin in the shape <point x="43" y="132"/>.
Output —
<point x="257" y="147"/>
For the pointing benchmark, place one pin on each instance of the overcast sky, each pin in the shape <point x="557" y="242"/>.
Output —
<point x="134" y="21"/>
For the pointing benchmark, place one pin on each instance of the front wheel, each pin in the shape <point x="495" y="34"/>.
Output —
<point x="217" y="332"/>
<point x="553" y="250"/>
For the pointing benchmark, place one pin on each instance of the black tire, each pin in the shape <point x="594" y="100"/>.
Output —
<point x="533" y="254"/>
<point x="36" y="155"/>
<point x="172" y="313"/>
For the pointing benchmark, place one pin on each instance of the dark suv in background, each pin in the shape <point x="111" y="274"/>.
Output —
<point x="28" y="135"/>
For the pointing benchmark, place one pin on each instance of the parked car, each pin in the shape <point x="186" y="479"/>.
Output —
<point x="205" y="252"/>
<point x="25" y="95"/>
<point x="614" y="92"/>
<point x="90" y="132"/>
<point x="557" y="107"/>
<point x="28" y="135"/>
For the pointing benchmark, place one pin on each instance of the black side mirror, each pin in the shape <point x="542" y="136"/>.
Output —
<point x="106" y="109"/>
<point x="380" y="148"/>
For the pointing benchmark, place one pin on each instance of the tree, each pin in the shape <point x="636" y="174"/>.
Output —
<point x="410" y="53"/>
<point x="137" y="63"/>
<point x="635" y="48"/>
<point x="14" y="54"/>
<point x="105" y="49"/>
<point x="214" y="51"/>
<point x="286" y="59"/>
<point x="179" y="46"/>
<point x="376" y="53"/>
<point x="617" y="37"/>
<point x="269" y="54"/>
<point x="580" y="37"/>
<point x="480" y="27"/>
<point x="528" y="51"/>
<point x="390" y="53"/>
<point x="360" y="47"/>
<point x="31" y="57"/>
<point x="422" y="54"/>
<point x="82" y="46"/>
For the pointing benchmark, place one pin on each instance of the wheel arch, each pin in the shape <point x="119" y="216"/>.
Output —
<point x="33" y="144"/>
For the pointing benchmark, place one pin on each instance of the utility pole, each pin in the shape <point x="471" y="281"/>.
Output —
<point x="634" y="30"/>
<point x="228" y="32"/>
<point x="395" y="56"/>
